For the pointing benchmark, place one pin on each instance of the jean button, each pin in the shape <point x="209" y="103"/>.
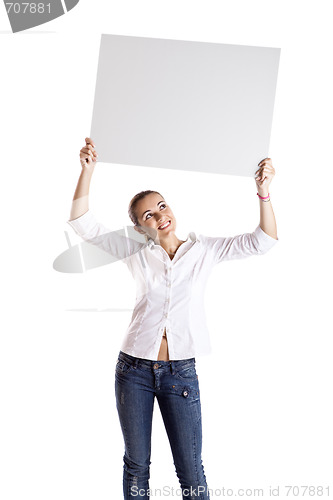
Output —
<point x="155" y="366"/>
<point x="185" y="394"/>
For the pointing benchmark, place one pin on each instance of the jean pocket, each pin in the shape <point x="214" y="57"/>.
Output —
<point x="123" y="367"/>
<point x="187" y="372"/>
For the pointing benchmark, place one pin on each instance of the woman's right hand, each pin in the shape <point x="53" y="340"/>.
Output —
<point x="88" y="155"/>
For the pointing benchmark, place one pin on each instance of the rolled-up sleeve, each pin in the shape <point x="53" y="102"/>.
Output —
<point x="93" y="232"/>
<point x="87" y="226"/>
<point x="241" y="246"/>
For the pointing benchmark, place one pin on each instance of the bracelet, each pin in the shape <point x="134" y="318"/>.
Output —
<point x="263" y="197"/>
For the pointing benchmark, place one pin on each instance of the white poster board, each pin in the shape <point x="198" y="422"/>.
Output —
<point x="185" y="105"/>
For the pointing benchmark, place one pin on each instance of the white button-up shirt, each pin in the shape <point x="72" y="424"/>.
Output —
<point x="170" y="293"/>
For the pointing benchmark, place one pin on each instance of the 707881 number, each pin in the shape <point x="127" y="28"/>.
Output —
<point x="31" y="8"/>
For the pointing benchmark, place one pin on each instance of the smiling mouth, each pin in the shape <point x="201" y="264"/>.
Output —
<point x="164" y="225"/>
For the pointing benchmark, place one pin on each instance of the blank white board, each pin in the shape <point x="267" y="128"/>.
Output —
<point x="185" y="105"/>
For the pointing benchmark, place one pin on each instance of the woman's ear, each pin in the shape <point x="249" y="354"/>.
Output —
<point x="137" y="228"/>
<point x="147" y="232"/>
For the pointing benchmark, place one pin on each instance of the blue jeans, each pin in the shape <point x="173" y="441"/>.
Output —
<point x="176" y="387"/>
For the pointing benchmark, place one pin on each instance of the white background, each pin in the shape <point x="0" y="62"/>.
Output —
<point x="266" y="387"/>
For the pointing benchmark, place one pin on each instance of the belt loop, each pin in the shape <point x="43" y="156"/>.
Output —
<point x="135" y="363"/>
<point x="172" y="368"/>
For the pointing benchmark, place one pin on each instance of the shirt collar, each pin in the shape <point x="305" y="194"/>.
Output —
<point x="191" y="236"/>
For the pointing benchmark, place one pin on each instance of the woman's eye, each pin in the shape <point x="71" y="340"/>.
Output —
<point x="162" y="206"/>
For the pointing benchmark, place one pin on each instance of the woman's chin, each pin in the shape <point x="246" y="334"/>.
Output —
<point x="166" y="233"/>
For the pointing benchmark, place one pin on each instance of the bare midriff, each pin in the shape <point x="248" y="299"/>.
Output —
<point x="163" y="354"/>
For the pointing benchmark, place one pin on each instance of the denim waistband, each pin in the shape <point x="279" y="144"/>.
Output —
<point x="149" y="363"/>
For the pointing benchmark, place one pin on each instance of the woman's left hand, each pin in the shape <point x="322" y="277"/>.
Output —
<point x="264" y="175"/>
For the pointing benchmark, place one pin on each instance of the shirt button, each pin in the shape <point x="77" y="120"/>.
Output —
<point x="168" y="283"/>
<point x="167" y="300"/>
<point x="166" y="315"/>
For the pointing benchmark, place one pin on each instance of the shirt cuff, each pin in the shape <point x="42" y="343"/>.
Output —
<point x="265" y="242"/>
<point x="83" y="224"/>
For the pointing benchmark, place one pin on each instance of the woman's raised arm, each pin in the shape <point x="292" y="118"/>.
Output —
<point x="88" y="160"/>
<point x="265" y="174"/>
<point x="262" y="239"/>
<point x="85" y="224"/>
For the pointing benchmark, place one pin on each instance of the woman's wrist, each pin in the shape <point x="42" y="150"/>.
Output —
<point x="263" y="192"/>
<point x="263" y="197"/>
<point x="87" y="171"/>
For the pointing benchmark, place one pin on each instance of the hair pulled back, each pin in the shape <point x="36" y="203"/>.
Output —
<point x="134" y="202"/>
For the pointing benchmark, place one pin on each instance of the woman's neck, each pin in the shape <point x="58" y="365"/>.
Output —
<point x="171" y="245"/>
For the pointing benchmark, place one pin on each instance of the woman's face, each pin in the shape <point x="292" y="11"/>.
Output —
<point x="155" y="216"/>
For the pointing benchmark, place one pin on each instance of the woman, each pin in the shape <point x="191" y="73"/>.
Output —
<point x="167" y="329"/>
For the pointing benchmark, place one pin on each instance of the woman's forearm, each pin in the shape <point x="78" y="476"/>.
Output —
<point x="80" y="204"/>
<point x="267" y="217"/>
